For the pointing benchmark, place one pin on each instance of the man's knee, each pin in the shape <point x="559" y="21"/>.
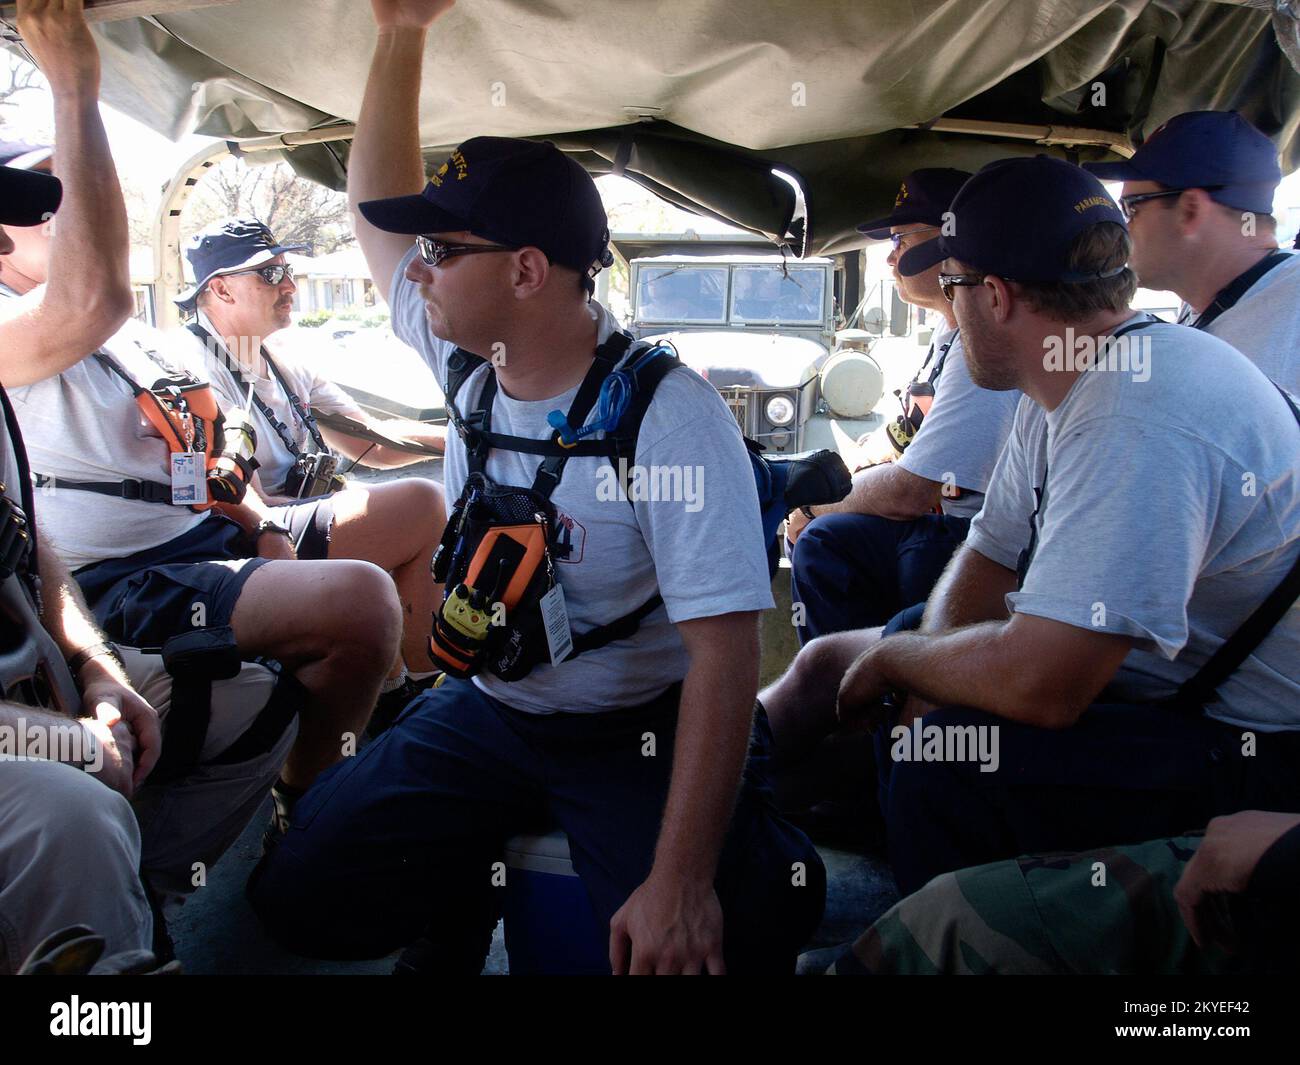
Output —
<point x="342" y="604"/>
<point x="822" y="662"/>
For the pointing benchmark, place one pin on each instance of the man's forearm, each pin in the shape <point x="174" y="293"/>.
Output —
<point x="713" y="729"/>
<point x="971" y="589"/>
<point x="888" y="491"/>
<point x="90" y="275"/>
<point x="385" y="159"/>
<point x="66" y="617"/>
<point x="973" y="666"/>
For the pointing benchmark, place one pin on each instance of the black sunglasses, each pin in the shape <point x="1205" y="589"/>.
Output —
<point x="949" y="283"/>
<point x="1128" y="203"/>
<point x="896" y="239"/>
<point x="435" y="251"/>
<point x="272" y="275"/>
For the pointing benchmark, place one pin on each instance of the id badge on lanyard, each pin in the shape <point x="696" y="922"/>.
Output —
<point x="189" y="472"/>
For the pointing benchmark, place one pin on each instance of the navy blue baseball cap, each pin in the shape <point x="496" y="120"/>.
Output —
<point x="224" y="248"/>
<point x="517" y="192"/>
<point x="27" y="197"/>
<point x="1218" y="151"/>
<point x="1016" y="219"/>
<point x="924" y="197"/>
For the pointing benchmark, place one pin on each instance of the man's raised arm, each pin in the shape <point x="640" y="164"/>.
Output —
<point x="88" y="294"/>
<point x="385" y="159"/>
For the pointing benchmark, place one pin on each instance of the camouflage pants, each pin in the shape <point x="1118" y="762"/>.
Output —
<point x="1109" y="910"/>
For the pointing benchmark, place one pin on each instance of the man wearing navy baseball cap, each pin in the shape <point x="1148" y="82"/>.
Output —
<point x="1120" y="546"/>
<point x="882" y="548"/>
<point x="242" y="295"/>
<point x="494" y="255"/>
<point x="1198" y="196"/>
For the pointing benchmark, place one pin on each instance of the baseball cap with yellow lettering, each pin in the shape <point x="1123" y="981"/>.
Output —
<point x="1016" y="219"/>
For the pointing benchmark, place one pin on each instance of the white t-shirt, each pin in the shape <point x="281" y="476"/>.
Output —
<point x="960" y="439"/>
<point x="273" y="454"/>
<point x="84" y="425"/>
<point x="1171" y="511"/>
<point x="703" y="551"/>
<point x="1264" y="325"/>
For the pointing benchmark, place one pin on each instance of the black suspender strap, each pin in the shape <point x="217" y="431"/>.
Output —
<point x="24" y="491"/>
<point x="1203" y="688"/>
<point x="299" y="407"/>
<point x="476" y="429"/>
<point x="263" y="408"/>
<point x="1238" y="287"/>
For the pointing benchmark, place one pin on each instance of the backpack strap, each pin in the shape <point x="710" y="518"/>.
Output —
<point x="1238" y="287"/>
<point x="1202" y="689"/>
<point x="621" y="444"/>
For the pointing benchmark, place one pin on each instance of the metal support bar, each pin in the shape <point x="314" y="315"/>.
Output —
<point x="1063" y="135"/>
<point x="116" y="10"/>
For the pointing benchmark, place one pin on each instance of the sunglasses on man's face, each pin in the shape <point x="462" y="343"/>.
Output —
<point x="896" y="239"/>
<point x="272" y="275"/>
<point x="433" y="252"/>
<point x="950" y="283"/>
<point x="1128" y="204"/>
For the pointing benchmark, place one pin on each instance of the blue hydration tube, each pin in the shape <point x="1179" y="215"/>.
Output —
<point x="615" y="394"/>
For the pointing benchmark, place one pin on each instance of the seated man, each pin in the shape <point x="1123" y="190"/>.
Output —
<point x="1219" y="902"/>
<point x="1149" y="500"/>
<point x="637" y="745"/>
<point x="150" y="568"/>
<point x="1125" y="511"/>
<point x="395" y="525"/>
<point x="71" y="850"/>
<point x="1198" y="196"/>
<point x="883" y="546"/>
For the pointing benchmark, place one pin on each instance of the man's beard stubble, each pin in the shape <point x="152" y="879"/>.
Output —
<point x="988" y="361"/>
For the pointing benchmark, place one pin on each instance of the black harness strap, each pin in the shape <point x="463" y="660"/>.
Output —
<point x="476" y="431"/>
<point x="299" y="407"/>
<point x="263" y="408"/>
<point x="146" y="491"/>
<point x="1203" y="688"/>
<point x="1238" y="287"/>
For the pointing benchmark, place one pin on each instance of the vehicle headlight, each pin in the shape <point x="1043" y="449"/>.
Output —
<point x="780" y="410"/>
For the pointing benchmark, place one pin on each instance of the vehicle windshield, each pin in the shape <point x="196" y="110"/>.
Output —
<point x="682" y="294"/>
<point x="767" y="294"/>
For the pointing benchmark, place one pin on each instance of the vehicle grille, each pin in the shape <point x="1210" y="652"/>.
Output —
<point x="737" y="400"/>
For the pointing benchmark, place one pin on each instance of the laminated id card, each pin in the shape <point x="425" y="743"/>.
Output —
<point x="189" y="478"/>
<point x="555" y="619"/>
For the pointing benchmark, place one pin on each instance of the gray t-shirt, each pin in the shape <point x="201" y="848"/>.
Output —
<point x="84" y="425"/>
<point x="703" y="550"/>
<point x="960" y="439"/>
<point x="274" y="458"/>
<point x="1264" y="325"/>
<point x="1171" y="510"/>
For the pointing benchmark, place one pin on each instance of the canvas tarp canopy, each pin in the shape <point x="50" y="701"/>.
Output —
<point x="698" y="100"/>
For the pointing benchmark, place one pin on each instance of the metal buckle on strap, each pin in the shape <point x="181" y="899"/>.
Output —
<point x="15" y="538"/>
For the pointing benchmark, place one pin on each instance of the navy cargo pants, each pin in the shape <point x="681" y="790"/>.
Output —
<point x="853" y="571"/>
<point x="1122" y="774"/>
<point x="399" y="841"/>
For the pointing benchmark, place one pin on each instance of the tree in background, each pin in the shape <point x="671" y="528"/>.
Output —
<point x="16" y="77"/>
<point x="298" y="211"/>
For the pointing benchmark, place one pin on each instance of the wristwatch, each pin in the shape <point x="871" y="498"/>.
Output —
<point x="807" y="513"/>
<point x="270" y="525"/>
<point x="95" y="650"/>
